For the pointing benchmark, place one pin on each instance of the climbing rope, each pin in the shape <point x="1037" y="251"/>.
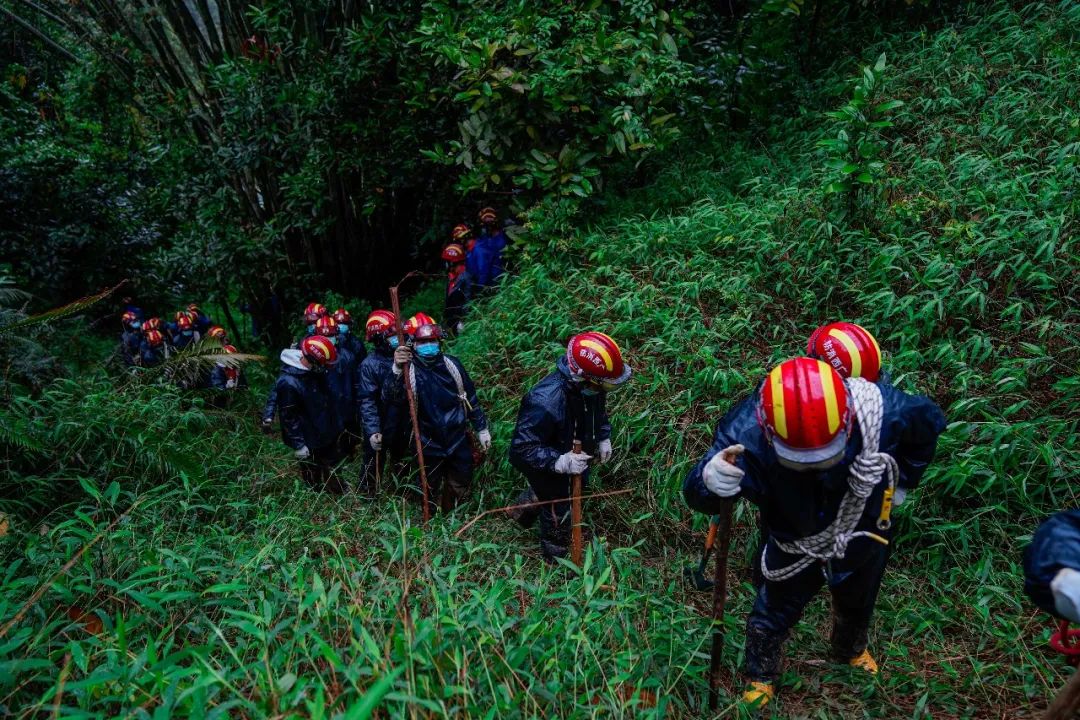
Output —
<point x="868" y="469"/>
<point x="1067" y="642"/>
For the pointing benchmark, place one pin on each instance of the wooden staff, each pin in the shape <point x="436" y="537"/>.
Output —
<point x="723" y="535"/>
<point x="412" y="405"/>
<point x="575" y="513"/>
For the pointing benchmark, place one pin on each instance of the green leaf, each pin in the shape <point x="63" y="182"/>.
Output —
<point x="888" y="105"/>
<point x="364" y="709"/>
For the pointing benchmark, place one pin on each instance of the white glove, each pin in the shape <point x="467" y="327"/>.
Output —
<point x="376" y="441"/>
<point x="721" y="477"/>
<point x="303" y="453"/>
<point x="605" y="450"/>
<point x="1066" y="589"/>
<point x="484" y="436"/>
<point x="230" y="383"/>
<point x="402" y="357"/>
<point x="459" y="328"/>
<point x="572" y="463"/>
<point x="898" y="497"/>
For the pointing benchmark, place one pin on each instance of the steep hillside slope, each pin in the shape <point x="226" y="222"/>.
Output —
<point x="232" y="591"/>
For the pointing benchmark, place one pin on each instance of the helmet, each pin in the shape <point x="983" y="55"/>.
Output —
<point x="229" y="349"/>
<point x="417" y="321"/>
<point x="318" y="350"/>
<point x="595" y="356"/>
<point x="804" y="410"/>
<point x="183" y="322"/>
<point x="154" y="338"/>
<point x="453" y="253"/>
<point x="342" y="316"/>
<point x="313" y="312"/>
<point x="461" y="232"/>
<point x="849" y="348"/>
<point x="326" y="326"/>
<point x="128" y="317"/>
<point x="487" y="215"/>
<point x="379" y="323"/>
<point x="152" y="324"/>
<point x="427" y="333"/>
<point x="193" y="308"/>
<point x="216" y="332"/>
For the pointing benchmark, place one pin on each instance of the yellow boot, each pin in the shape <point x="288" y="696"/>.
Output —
<point x="865" y="661"/>
<point x="759" y="694"/>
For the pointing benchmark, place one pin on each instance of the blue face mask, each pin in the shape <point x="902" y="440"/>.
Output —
<point x="311" y="329"/>
<point x="188" y="333"/>
<point x="393" y="342"/>
<point x="590" y="392"/>
<point x="342" y="328"/>
<point x="427" y="350"/>
<point x="334" y="340"/>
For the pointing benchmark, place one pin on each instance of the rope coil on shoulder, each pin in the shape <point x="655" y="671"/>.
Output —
<point x="452" y="369"/>
<point x="869" y="468"/>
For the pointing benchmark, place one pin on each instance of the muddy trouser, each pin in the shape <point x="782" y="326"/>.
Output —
<point x="320" y="470"/>
<point x="779" y="605"/>
<point x="449" y="478"/>
<point x="555" y="525"/>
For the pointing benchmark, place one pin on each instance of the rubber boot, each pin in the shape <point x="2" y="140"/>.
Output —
<point x="554" y="535"/>
<point x="525" y="516"/>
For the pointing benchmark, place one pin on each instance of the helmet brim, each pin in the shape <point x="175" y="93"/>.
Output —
<point x="820" y="458"/>
<point x="614" y="383"/>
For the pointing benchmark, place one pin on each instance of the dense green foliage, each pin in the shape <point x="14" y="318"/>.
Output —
<point x="195" y="576"/>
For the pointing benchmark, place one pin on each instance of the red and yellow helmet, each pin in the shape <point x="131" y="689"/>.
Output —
<point x="229" y="349"/>
<point x="488" y="215"/>
<point x="184" y="322"/>
<point x="154" y="338"/>
<point x="342" y="316"/>
<point x="128" y="317"/>
<point x="461" y="232"/>
<point x="216" y="332"/>
<point x="453" y="253"/>
<point x="805" y="411"/>
<point x="193" y="308"/>
<point x="319" y="350"/>
<point x="849" y="348"/>
<point x="326" y="326"/>
<point x="380" y="322"/>
<point x="594" y="356"/>
<point x="313" y="312"/>
<point x="151" y="324"/>
<point x="418" y="321"/>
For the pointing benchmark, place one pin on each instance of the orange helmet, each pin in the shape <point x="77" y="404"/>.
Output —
<point x="318" y="350"/>
<point x="183" y="322"/>
<point x="593" y="356"/>
<point x="184" y="313"/>
<point x="461" y="232"/>
<point x="453" y="253"/>
<point x="128" y="317"/>
<point x="488" y="215"/>
<point x="342" y="316"/>
<point x="804" y="410"/>
<point x="326" y="326"/>
<point x="193" y="308"/>
<point x="379" y="323"/>
<point x="418" y="321"/>
<point x="229" y="349"/>
<point x="849" y="348"/>
<point x="154" y="338"/>
<point x="151" y="324"/>
<point x="313" y="312"/>
<point x="216" y="332"/>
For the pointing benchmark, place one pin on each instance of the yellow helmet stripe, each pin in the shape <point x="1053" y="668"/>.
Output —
<point x="776" y="389"/>
<point x="852" y="350"/>
<point x="601" y="351"/>
<point x="828" y="388"/>
<point x="876" y="346"/>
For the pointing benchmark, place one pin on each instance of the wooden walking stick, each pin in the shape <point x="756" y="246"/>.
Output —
<point x="723" y="537"/>
<point x="412" y="405"/>
<point x="575" y="513"/>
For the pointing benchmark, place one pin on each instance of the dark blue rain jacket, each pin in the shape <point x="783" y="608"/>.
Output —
<point x="1055" y="546"/>
<point x="344" y="378"/>
<point x="484" y="261"/>
<point x="307" y="407"/>
<point x="354" y="345"/>
<point x="130" y="346"/>
<point x="378" y="413"/>
<point x="551" y="416"/>
<point x="183" y="342"/>
<point x="440" y="413"/>
<point x="795" y="505"/>
<point x="219" y="378"/>
<point x="151" y="356"/>
<point x="202" y="323"/>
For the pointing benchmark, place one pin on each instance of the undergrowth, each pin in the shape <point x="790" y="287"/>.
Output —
<point x="195" y="576"/>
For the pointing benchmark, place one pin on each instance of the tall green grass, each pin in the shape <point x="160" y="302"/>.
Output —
<point x="224" y="588"/>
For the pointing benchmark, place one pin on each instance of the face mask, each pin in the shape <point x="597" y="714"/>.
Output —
<point x="342" y="328"/>
<point x="393" y="342"/>
<point x="334" y="340"/>
<point x="311" y="329"/>
<point x="189" y="333"/>
<point x="590" y="392"/>
<point x="427" y="350"/>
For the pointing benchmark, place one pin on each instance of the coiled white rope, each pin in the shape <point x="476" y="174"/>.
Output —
<point x="868" y="469"/>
